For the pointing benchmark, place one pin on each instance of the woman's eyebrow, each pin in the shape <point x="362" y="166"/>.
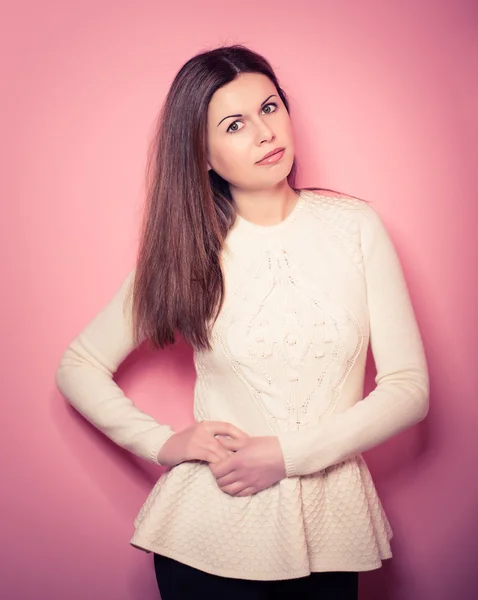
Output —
<point x="229" y="116"/>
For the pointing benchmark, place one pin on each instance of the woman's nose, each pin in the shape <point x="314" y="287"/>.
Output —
<point x="264" y="133"/>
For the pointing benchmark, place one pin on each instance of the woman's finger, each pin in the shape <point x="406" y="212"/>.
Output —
<point x="225" y="428"/>
<point x="249" y="491"/>
<point x="228" y="479"/>
<point x="231" y="444"/>
<point x="235" y="488"/>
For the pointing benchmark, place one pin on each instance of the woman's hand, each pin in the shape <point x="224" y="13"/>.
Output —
<point x="198" y="442"/>
<point x="256" y="463"/>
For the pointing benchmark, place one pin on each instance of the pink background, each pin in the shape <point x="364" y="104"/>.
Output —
<point x="384" y="100"/>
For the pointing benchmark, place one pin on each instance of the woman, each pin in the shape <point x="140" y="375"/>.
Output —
<point x="279" y="291"/>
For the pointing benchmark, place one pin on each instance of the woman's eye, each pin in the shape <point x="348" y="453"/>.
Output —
<point x="229" y="130"/>
<point x="270" y="104"/>
<point x="233" y="126"/>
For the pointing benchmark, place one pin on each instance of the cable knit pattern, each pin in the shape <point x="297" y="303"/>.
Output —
<point x="304" y="298"/>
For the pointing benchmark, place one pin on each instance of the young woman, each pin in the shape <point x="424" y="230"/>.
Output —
<point x="279" y="291"/>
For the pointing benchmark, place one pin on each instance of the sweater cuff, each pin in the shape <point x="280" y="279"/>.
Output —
<point x="162" y="439"/>
<point x="288" y="454"/>
<point x="315" y="447"/>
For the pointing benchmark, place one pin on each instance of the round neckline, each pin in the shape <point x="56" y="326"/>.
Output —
<point x="249" y="225"/>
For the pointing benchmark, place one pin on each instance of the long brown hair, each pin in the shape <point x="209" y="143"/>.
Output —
<point x="178" y="284"/>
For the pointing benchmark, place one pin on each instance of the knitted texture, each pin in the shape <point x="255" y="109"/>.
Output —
<point x="303" y="300"/>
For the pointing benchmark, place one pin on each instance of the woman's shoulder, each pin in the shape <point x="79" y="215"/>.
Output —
<point x="333" y="202"/>
<point x="339" y="213"/>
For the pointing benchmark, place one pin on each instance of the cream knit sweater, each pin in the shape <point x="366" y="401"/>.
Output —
<point x="303" y="300"/>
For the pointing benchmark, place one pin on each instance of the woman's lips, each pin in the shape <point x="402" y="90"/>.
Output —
<point x="272" y="159"/>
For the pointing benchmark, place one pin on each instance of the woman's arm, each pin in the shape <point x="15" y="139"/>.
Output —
<point x="85" y="378"/>
<point x="401" y="396"/>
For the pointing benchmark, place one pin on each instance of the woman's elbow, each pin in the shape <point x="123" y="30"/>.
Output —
<point x="61" y="374"/>
<point x="68" y="372"/>
<point x="422" y="397"/>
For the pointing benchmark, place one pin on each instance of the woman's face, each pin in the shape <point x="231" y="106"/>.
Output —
<point x="247" y="119"/>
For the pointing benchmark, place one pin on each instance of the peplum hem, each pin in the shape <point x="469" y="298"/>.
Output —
<point x="328" y="521"/>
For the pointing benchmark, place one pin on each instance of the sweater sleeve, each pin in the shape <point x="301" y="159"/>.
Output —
<point x="401" y="396"/>
<point x="85" y="378"/>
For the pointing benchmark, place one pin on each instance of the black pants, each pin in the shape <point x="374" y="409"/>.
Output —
<point x="177" y="581"/>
